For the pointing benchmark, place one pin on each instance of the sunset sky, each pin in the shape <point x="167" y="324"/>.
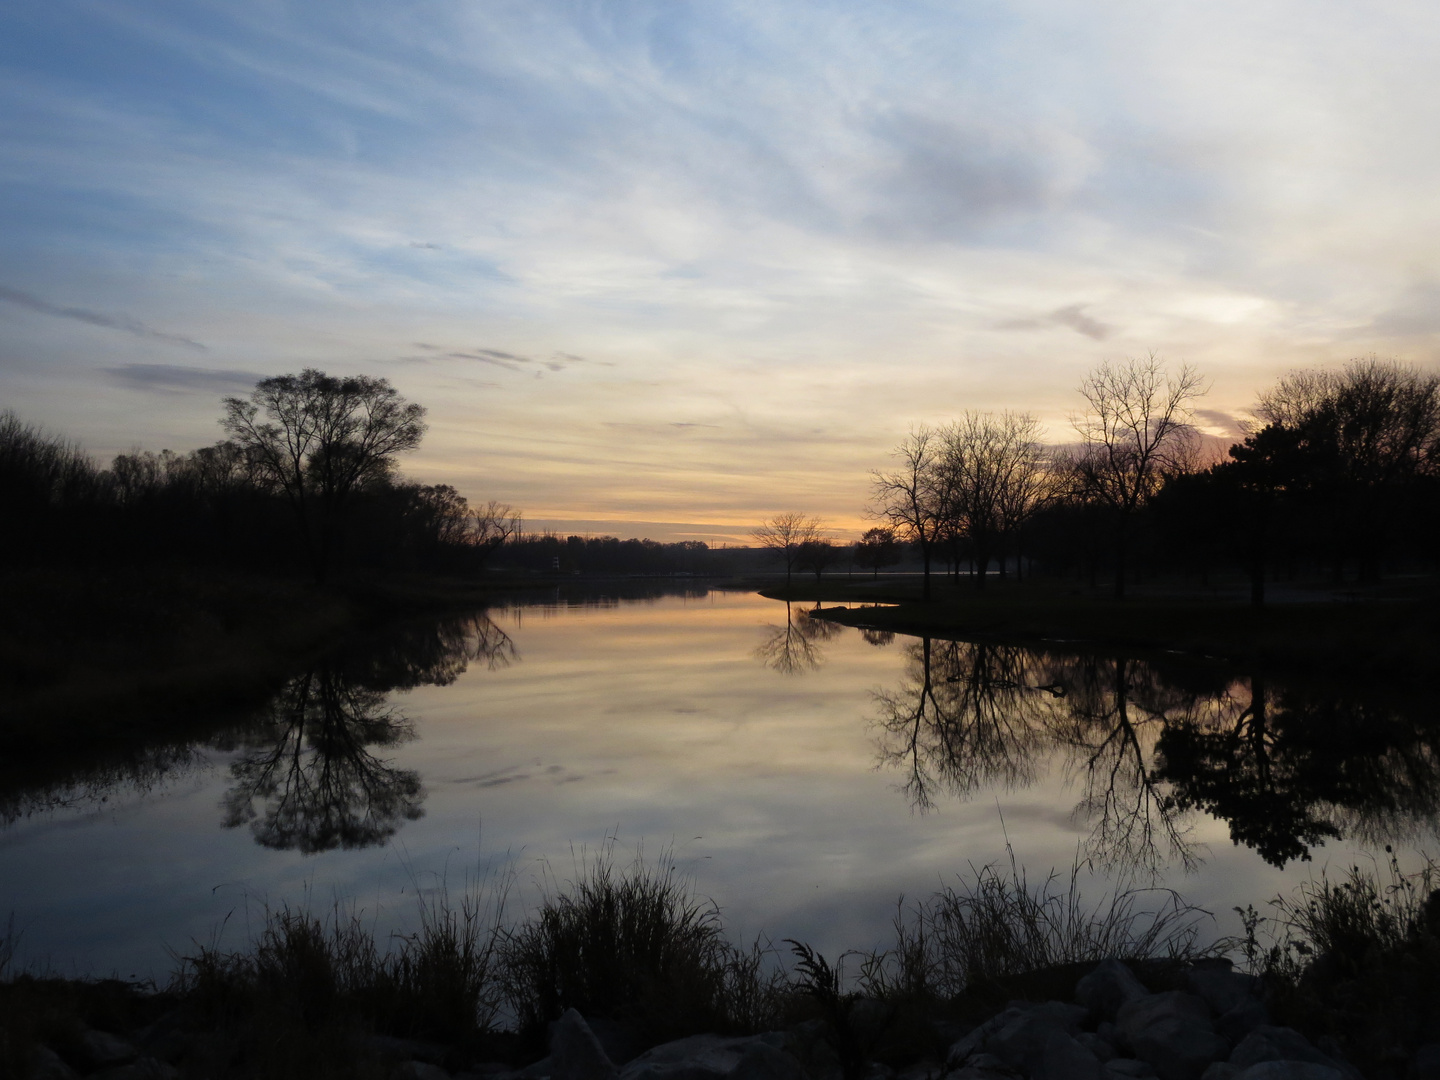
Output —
<point x="664" y="268"/>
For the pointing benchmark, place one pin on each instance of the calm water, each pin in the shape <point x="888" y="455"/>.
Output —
<point x="805" y="775"/>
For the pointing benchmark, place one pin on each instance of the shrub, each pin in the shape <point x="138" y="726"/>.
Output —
<point x="639" y="947"/>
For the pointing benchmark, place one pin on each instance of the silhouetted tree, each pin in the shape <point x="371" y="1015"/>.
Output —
<point x="1135" y="431"/>
<point x="1355" y="442"/>
<point x="786" y="535"/>
<point x="877" y="549"/>
<point x="817" y="555"/>
<point x="911" y="499"/>
<point x="320" y="439"/>
<point x="990" y="479"/>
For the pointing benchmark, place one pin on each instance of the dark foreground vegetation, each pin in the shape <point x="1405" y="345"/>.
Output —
<point x="1352" y="965"/>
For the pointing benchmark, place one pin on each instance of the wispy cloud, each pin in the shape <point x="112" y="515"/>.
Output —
<point x="556" y="361"/>
<point x="95" y="318"/>
<point x="1071" y="316"/>
<point x="174" y="378"/>
<point x="1230" y="426"/>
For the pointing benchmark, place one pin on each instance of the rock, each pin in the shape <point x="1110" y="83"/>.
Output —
<point x="1111" y="1034"/>
<point x="418" y="1070"/>
<point x="1172" y="1032"/>
<point x="1065" y="1058"/>
<point x="927" y="1069"/>
<point x="1128" y="1068"/>
<point x="1035" y="1042"/>
<point x="95" y="1050"/>
<point x="1101" y="1048"/>
<point x="1276" y="1044"/>
<point x="1290" y="1070"/>
<point x="1221" y="1070"/>
<point x="575" y="1052"/>
<point x="984" y="1067"/>
<point x="1246" y="1015"/>
<point x="46" y="1064"/>
<point x="705" y="1057"/>
<point x="145" y="1068"/>
<point x="761" y="1061"/>
<point x="1425" y="1065"/>
<point x="1068" y="1018"/>
<point x="1107" y="988"/>
<point x="388" y="1046"/>
<point x="1140" y="1013"/>
<point x="1220" y="988"/>
<point x="963" y="1049"/>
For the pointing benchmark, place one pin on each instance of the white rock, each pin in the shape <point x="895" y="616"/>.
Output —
<point x="1128" y="1067"/>
<point x="418" y="1070"/>
<point x="1276" y="1044"/>
<point x="575" y="1052"/>
<point x="1107" y="988"/>
<point x="1221" y="989"/>
<point x="1172" y="1032"/>
<point x="145" y="1068"/>
<point x="1291" y="1070"/>
<point x="101" y="1050"/>
<point x="46" y="1064"/>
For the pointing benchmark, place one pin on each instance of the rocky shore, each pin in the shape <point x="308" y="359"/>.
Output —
<point x="1214" y="1025"/>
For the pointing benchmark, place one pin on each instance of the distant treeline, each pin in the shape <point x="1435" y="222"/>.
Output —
<point x="306" y="480"/>
<point x="210" y="507"/>
<point x="551" y="553"/>
<point x="1338" y="476"/>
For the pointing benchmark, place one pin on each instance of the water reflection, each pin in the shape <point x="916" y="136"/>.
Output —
<point x="309" y="775"/>
<point x="795" y="648"/>
<point x="309" y="780"/>
<point x="309" y="766"/>
<point x="1148" y="744"/>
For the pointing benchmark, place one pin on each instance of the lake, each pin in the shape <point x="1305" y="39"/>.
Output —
<point x="805" y="775"/>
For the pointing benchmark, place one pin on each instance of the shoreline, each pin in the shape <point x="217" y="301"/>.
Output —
<point x="1390" y="632"/>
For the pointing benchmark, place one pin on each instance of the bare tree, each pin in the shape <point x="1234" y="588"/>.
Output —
<point x="323" y="438"/>
<point x="1029" y="481"/>
<point x="910" y="499"/>
<point x="991" y="480"/>
<point x="787" y="534"/>
<point x="492" y="525"/>
<point x="1134" y="432"/>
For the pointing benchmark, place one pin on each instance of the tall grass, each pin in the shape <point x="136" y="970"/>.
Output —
<point x="291" y="1002"/>
<point x="1357" y="961"/>
<point x="997" y="925"/>
<point x="639" y="946"/>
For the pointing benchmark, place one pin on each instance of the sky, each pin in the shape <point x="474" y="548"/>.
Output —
<point x="667" y="268"/>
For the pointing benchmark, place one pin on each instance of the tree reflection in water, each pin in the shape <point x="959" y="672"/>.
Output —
<point x="308" y="778"/>
<point x="794" y="648"/>
<point x="1293" y="767"/>
<point x="1148" y="745"/>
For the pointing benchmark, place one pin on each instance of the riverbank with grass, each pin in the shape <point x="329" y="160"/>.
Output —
<point x="628" y="973"/>
<point x="1391" y="630"/>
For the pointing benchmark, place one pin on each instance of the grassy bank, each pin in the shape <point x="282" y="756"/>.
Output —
<point x="635" y="950"/>
<point x="1392" y="630"/>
